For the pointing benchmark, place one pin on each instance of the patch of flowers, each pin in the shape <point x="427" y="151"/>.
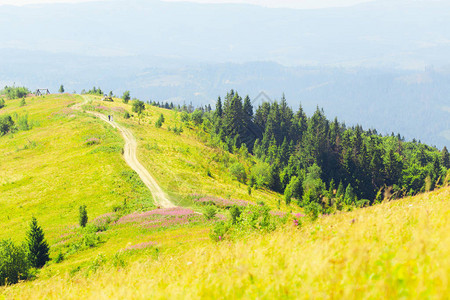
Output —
<point x="220" y="202"/>
<point x="102" y="222"/>
<point x="141" y="246"/>
<point x="298" y="219"/>
<point x="162" y="218"/>
<point x="92" y="141"/>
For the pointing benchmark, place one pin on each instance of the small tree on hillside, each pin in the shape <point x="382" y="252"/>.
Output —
<point x="61" y="89"/>
<point x="83" y="217"/>
<point x="38" y="248"/>
<point x="138" y="106"/>
<point x="14" y="265"/>
<point x="126" y="96"/>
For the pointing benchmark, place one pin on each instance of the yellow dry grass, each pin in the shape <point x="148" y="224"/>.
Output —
<point x="394" y="250"/>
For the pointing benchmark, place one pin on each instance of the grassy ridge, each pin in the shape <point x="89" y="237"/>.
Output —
<point x="51" y="169"/>
<point x="393" y="250"/>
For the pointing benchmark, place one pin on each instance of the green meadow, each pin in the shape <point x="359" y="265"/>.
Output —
<point x="132" y="249"/>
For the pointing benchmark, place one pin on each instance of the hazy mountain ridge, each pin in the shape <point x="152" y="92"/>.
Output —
<point x="185" y="52"/>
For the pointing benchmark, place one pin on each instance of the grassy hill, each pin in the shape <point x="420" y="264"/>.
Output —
<point x="69" y="158"/>
<point x="131" y="249"/>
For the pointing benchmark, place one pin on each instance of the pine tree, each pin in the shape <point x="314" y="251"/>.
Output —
<point x="219" y="110"/>
<point x="38" y="249"/>
<point x="83" y="217"/>
<point x="248" y="108"/>
<point x="340" y="191"/>
<point x="349" y="197"/>
<point x="61" y="89"/>
<point x="445" y="158"/>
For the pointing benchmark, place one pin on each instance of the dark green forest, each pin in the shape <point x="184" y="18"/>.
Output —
<point x="319" y="162"/>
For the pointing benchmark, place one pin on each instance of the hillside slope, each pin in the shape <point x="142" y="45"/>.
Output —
<point x="392" y="250"/>
<point x="69" y="158"/>
<point x="131" y="249"/>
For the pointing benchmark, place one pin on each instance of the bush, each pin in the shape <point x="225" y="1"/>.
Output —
<point x="197" y="117"/>
<point x="313" y="210"/>
<point x="210" y="212"/>
<point x="22" y="122"/>
<point x="83" y="217"/>
<point x="138" y="106"/>
<point x="15" y="92"/>
<point x="160" y="121"/>
<point x="59" y="258"/>
<point x="238" y="171"/>
<point x="6" y="124"/>
<point x="13" y="263"/>
<point x="126" y="115"/>
<point x="219" y="231"/>
<point x="261" y="174"/>
<point x="184" y="117"/>
<point x="23" y="102"/>
<point x="235" y="213"/>
<point x="2" y="103"/>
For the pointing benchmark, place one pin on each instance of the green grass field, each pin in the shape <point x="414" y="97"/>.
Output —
<point x="69" y="158"/>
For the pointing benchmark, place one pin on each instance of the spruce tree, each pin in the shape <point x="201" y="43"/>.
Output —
<point x="445" y="158"/>
<point x="340" y="191"/>
<point x="83" y="217"/>
<point x="219" y="111"/>
<point x="349" y="197"/>
<point x="38" y="249"/>
<point x="248" y="108"/>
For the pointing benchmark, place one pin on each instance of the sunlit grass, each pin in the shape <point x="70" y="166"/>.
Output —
<point x="389" y="251"/>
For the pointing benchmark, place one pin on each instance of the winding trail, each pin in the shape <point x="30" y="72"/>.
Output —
<point x="129" y="153"/>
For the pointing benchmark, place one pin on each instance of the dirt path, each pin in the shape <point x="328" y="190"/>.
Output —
<point x="129" y="153"/>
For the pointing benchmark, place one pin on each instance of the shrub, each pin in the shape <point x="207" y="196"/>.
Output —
<point x="184" y="117"/>
<point x="13" y="262"/>
<point x="158" y="123"/>
<point x="210" y="212"/>
<point x="38" y="248"/>
<point x="126" y="115"/>
<point x="2" y="103"/>
<point x="22" y="122"/>
<point x="197" y="117"/>
<point x="235" y="213"/>
<point x="23" y="102"/>
<point x="59" y="258"/>
<point x="15" y="92"/>
<point x="83" y="217"/>
<point x="238" y="171"/>
<point x="261" y="174"/>
<point x="219" y="231"/>
<point x="6" y="124"/>
<point x="313" y="210"/>
<point x="138" y="106"/>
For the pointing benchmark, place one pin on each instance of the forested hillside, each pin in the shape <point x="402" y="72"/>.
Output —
<point x="320" y="161"/>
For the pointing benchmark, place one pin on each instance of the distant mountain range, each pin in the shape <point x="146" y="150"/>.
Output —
<point x="382" y="64"/>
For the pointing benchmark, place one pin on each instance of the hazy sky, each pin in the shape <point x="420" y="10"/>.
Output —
<point x="300" y="4"/>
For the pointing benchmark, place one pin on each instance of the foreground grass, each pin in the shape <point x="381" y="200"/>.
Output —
<point x="394" y="250"/>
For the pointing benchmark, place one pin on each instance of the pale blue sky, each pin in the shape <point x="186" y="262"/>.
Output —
<point x="299" y="4"/>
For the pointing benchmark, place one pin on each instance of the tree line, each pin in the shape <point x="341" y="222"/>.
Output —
<point x="320" y="161"/>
